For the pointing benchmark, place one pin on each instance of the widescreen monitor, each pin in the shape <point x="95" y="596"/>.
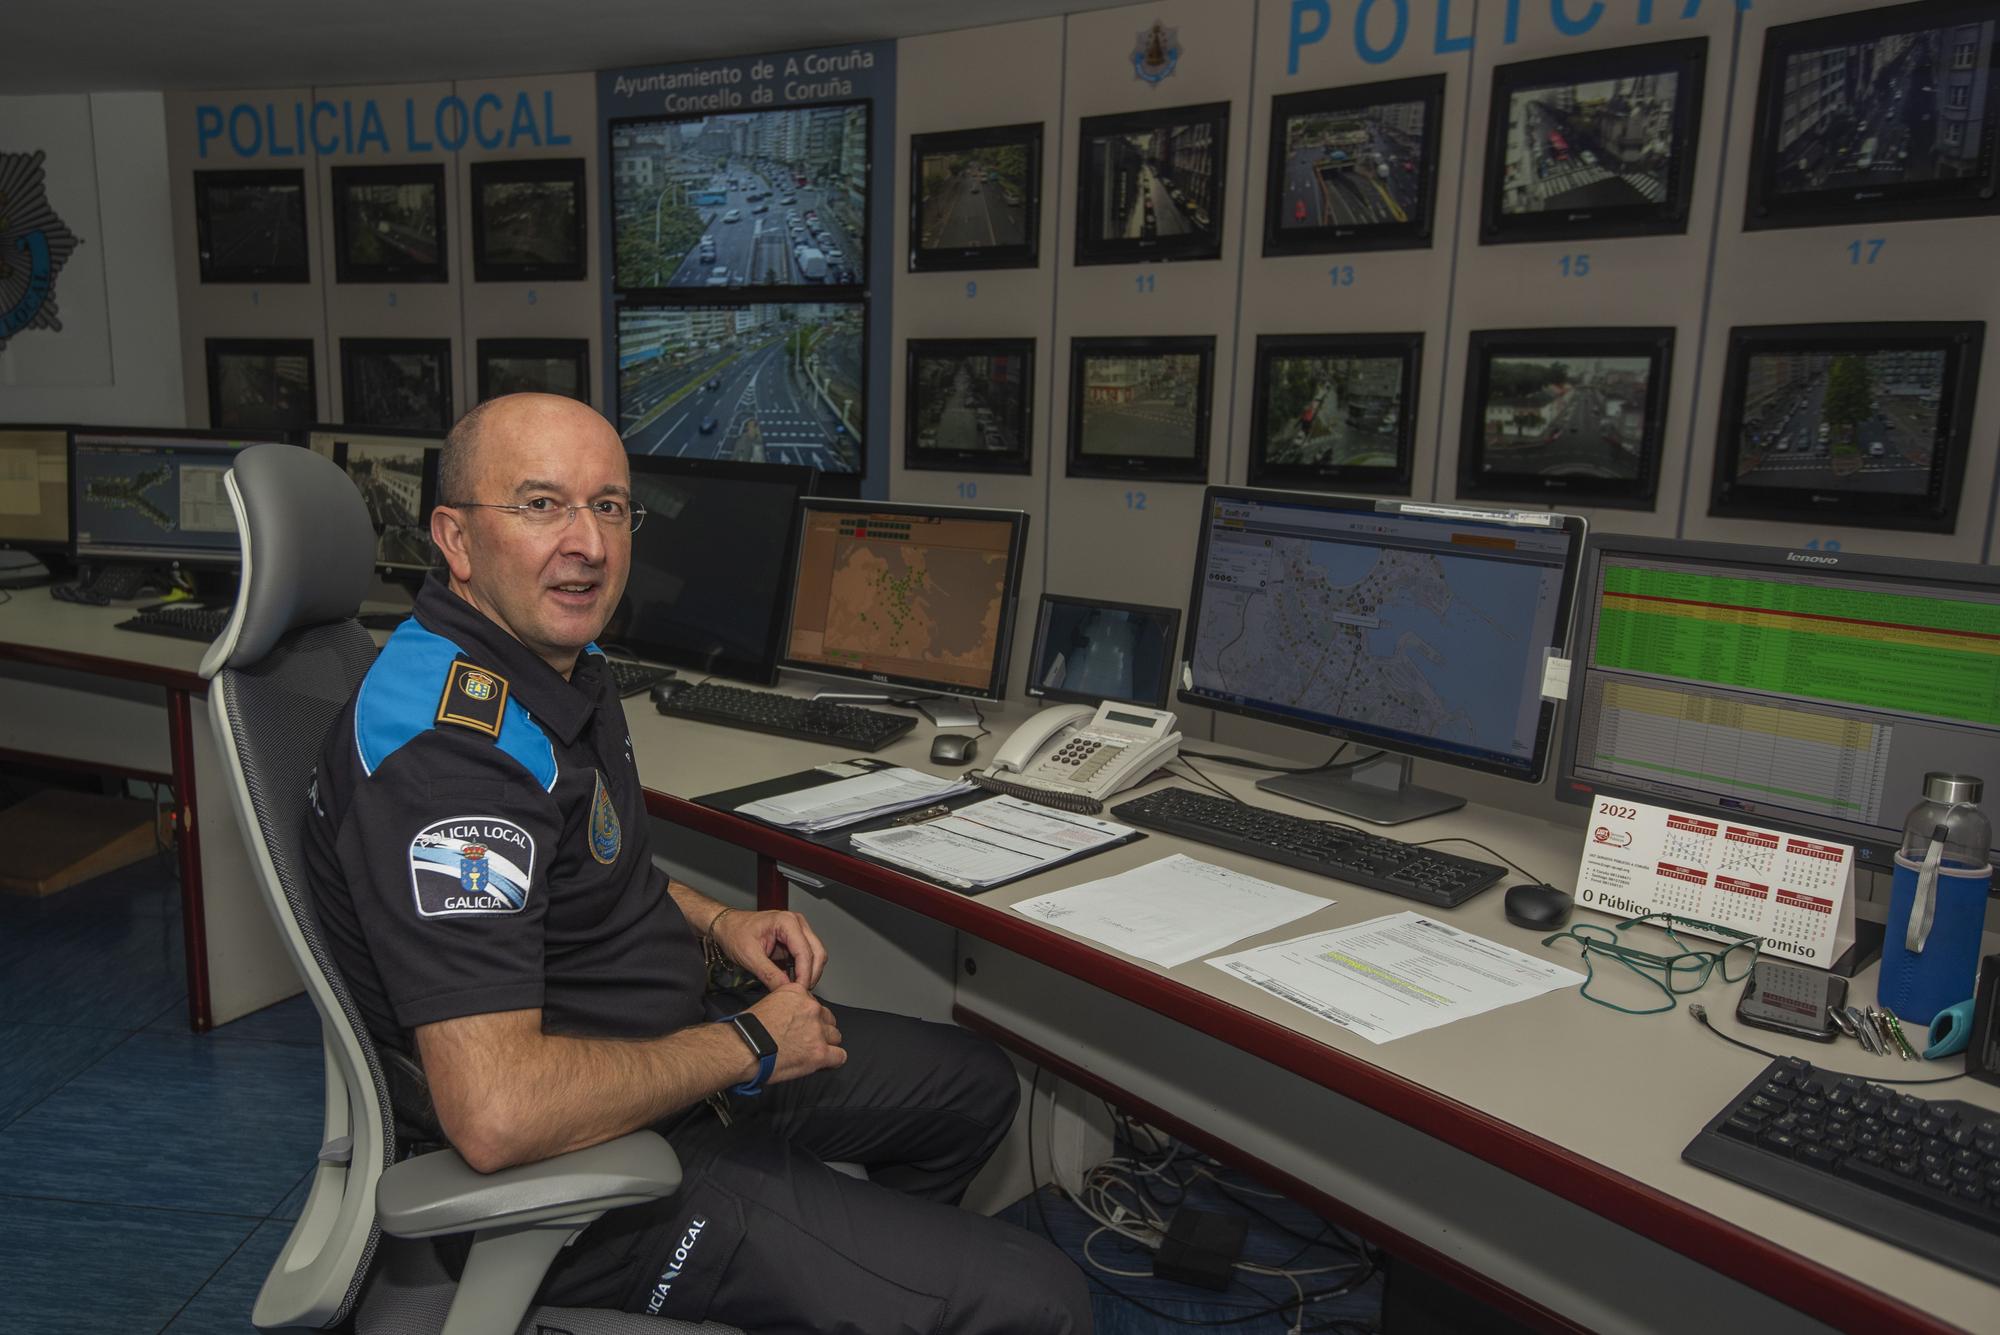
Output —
<point x="1422" y="630"/>
<point x="915" y="596"/>
<point x="34" y="488"/>
<point x="1809" y="691"/>
<point x="711" y="566"/>
<point x="397" y="475"/>
<point x="143" y="495"/>
<point x="1088" y="652"/>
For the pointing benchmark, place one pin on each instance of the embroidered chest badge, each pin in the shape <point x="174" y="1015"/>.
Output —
<point x="605" y="836"/>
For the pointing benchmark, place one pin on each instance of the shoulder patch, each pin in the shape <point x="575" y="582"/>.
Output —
<point x="471" y="866"/>
<point x="474" y="697"/>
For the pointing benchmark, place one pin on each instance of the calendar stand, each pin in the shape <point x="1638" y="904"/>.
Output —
<point x="1795" y="892"/>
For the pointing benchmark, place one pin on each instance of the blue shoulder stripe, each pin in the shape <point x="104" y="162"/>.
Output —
<point x="398" y="702"/>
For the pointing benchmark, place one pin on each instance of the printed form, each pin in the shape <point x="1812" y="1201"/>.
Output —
<point x="1171" y="911"/>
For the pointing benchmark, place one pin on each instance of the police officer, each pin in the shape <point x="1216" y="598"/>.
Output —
<point x="478" y="855"/>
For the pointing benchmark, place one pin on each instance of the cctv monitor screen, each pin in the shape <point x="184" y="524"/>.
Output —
<point x="34" y="488"/>
<point x="711" y="565"/>
<point x="769" y="382"/>
<point x="153" y="496"/>
<point x="1810" y="691"/>
<point x="1421" y="629"/>
<point x="1088" y="652"/>
<point x="396" y="473"/>
<point x="906" y="595"/>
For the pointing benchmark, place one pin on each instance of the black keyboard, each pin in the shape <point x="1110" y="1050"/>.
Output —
<point x="1923" y="1174"/>
<point x="788" y="716"/>
<point x="1322" y="847"/>
<point x="102" y="586"/>
<point x="633" y="678"/>
<point x="185" y="623"/>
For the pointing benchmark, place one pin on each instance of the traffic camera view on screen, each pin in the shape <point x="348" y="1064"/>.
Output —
<point x="1400" y="626"/>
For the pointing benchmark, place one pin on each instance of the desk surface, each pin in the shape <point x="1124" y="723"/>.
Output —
<point x="1590" y="1104"/>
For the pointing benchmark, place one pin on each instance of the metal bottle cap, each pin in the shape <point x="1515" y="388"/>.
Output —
<point x="1940" y="787"/>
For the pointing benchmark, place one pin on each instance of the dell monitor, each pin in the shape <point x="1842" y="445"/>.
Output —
<point x="397" y="475"/>
<point x="34" y="490"/>
<point x="919" y="597"/>
<point x="1088" y="652"/>
<point x="1423" y="630"/>
<point x="712" y="564"/>
<point x="1809" y="691"/>
<point x="140" y="495"/>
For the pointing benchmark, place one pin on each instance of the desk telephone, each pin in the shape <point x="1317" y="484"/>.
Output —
<point x="1078" y="751"/>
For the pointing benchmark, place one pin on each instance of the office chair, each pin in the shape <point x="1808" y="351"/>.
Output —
<point x="288" y="662"/>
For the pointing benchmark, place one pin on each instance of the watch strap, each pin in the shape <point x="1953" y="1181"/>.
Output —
<point x="758" y="1039"/>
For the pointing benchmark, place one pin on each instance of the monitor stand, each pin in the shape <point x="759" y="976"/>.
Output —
<point x="21" y="570"/>
<point x="942" y="710"/>
<point x="946" y="712"/>
<point x="1376" y="789"/>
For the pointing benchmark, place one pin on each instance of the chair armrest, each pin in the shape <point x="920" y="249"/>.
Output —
<point x="436" y="1194"/>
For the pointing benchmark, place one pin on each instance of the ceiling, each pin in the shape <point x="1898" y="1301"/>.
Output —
<point x="97" y="45"/>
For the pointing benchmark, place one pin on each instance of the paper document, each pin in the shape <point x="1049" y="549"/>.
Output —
<point x="1173" y="910"/>
<point x="832" y="805"/>
<point x="1396" y="975"/>
<point x="990" y="842"/>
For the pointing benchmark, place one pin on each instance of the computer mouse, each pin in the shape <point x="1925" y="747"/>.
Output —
<point x="1539" y="908"/>
<point x="667" y="690"/>
<point x="954" y="748"/>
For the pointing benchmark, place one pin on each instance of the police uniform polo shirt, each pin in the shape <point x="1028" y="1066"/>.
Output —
<point x="476" y="842"/>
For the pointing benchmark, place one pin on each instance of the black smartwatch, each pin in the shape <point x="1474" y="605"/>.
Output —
<point x="758" y="1039"/>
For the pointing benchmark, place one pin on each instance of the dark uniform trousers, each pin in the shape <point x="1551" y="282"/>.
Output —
<point x="764" y="1236"/>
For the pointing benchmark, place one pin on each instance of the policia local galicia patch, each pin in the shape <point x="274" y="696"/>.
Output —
<point x="471" y="866"/>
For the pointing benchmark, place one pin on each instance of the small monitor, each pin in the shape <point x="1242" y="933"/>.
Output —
<point x="1809" y="691"/>
<point x="1422" y="630"/>
<point x="711" y="566"/>
<point x="975" y="199"/>
<point x="397" y="475"/>
<point x="1150" y="185"/>
<point x="1088" y="652"/>
<point x="143" y="495"/>
<point x="528" y="220"/>
<point x="34" y="488"/>
<point x="1353" y="168"/>
<point x="917" y="596"/>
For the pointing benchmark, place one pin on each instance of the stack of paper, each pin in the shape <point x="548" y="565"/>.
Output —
<point x="990" y="842"/>
<point x="832" y="805"/>
<point x="1173" y="910"/>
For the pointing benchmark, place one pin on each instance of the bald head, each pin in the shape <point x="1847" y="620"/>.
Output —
<point x="508" y="421"/>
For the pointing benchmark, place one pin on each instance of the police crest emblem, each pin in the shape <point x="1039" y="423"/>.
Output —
<point x="605" y="835"/>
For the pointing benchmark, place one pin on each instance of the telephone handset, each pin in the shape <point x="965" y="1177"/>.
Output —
<point x="1073" y="749"/>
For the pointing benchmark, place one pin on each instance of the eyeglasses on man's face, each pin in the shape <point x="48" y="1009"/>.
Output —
<point x="613" y="512"/>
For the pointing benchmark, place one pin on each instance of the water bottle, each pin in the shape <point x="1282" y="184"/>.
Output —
<point x="1937" y="903"/>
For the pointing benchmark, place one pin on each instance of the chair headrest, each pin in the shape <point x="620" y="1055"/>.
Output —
<point x="308" y="550"/>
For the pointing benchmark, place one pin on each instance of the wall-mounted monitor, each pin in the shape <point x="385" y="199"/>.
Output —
<point x="257" y="384"/>
<point x="396" y="382"/>
<point x="1353" y="168"/>
<point x="388" y="224"/>
<point x="749" y="199"/>
<point x="1599" y="143"/>
<point x="764" y="381"/>
<point x="1335" y="411"/>
<point x="34" y="488"/>
<point x="1852" y="424"/>
<point x="975" y="199"/>
<point x="528" y="220"/>
<point x="1879" y="115"/>
<point x="250" y="226"/>
<point x="1150" y="185"/>
<point x="143" y="495"/>
<point x="1139" y="407"/>
<point x="396" y="473"/>
<point x="1088" y="652"/>
<point x="1566" y="416"/>
<point x="969" y="404"/>
<point x="534" y="366"/>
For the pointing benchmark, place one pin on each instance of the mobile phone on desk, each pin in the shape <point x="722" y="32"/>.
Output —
<point x="1792" y="999"/>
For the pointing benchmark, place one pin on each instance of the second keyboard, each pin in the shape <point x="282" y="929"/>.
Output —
<point x="1322" y="847"/>
<point x="788" y="716"/>
<point x="183" y="623"/>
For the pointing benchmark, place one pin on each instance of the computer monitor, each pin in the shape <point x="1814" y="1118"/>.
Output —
<point x="397" y="475"/>
<point x="1087" y="652"/>
<point x="34" y="488"/>
<point x="139" y="495"/>
<point x="1809" y="691"/>
<point x="914" y="596"/>
<point x="1423" y="630"/>
<point x="711" y="566"/>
